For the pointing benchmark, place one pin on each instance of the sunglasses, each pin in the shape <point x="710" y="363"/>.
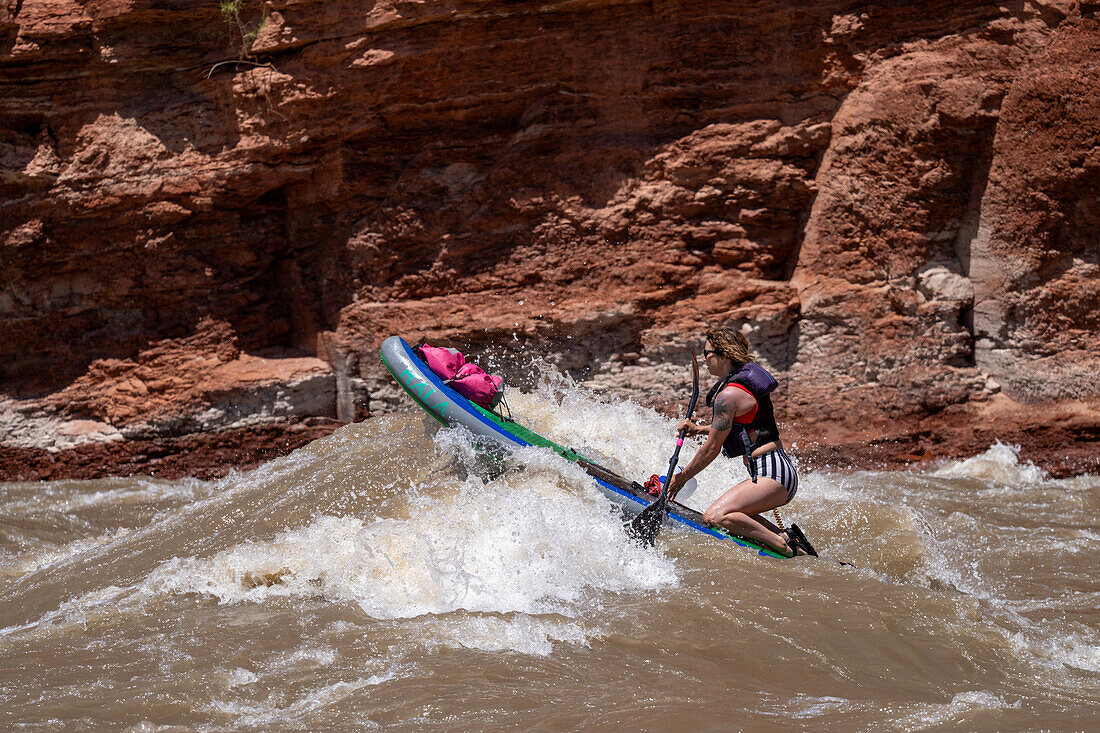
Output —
<point x="707" y="352"/>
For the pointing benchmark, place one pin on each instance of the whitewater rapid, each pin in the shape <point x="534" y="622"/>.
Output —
<point x="393" y="575"/>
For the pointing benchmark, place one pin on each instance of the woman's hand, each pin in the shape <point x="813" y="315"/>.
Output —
<point x="690" y="428"/>
<point x="674" y="485"/>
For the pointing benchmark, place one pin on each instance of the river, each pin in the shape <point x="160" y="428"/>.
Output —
<point x="392" y="576"/>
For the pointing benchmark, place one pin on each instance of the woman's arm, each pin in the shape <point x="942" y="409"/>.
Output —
<point x="726" y="405"/>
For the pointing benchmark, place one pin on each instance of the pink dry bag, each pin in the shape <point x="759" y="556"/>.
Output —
<point x="474" y="384"/>
<point x="466" y="378"/>
<point x="444" y="362"/>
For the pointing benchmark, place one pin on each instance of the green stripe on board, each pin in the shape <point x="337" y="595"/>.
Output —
<point x="524" y="434"/>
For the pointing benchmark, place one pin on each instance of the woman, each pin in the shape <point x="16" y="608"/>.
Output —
<point x="743" y="424"/>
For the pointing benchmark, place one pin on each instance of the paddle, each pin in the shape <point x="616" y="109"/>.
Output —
<point x="647" y="524"/>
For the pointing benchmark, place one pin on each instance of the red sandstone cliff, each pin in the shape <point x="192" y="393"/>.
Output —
<point x="209" y="221"/>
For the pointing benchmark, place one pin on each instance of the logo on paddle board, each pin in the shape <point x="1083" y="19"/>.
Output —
<point x="423" y="390"/>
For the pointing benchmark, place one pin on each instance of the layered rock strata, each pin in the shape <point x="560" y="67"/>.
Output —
<point x="211" y="217"/>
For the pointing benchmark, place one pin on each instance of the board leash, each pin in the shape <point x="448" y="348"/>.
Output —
<point x="778" y="520"/>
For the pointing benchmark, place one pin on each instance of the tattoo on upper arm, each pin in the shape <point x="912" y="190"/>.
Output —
<point x="723" y="413"/>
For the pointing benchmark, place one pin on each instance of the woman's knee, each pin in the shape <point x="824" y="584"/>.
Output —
<point x="714" y="515"/>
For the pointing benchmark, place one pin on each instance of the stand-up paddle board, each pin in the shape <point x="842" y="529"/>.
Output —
<point x="452" y="409"/>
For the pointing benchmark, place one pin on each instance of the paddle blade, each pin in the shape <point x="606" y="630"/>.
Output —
<point x="645" y="527"/>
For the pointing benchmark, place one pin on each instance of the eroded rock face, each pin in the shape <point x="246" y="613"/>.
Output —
<point x="211" y="225"/>
<point x="174" y="387"/>
<point x="1036" y="255"/>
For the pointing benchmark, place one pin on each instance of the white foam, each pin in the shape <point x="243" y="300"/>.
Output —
<point x="1074" y="651"/>
<point x="309" y="658"/>
<point x="962" y="704"/>
<point x="1000" y="464"/>
<point x="539" y="539"/>
<point x="533" y="635"/>
<point x="1058" y="650"/>
<point x="268" y="714"/>
<point x="535" y="541"/>
<point x="805" y="706"/>
<point x="103" y="604"/>
<point x="37" y="560"/>
<point x="475" y="554"/>
<point x="144" y="491"/>
<point x="240" y="677"/>
<point x="75" y="495"/>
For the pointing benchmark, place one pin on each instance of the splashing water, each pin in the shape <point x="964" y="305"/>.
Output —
<point x="392" y="575"/>
<point x="1000" y="464"/>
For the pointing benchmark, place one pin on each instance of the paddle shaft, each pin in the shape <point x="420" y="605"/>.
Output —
<point x="675" y="457"/>
<point x="662" y="500"/>
<point x="680" y="438"/>
<point x="647" y="524"/>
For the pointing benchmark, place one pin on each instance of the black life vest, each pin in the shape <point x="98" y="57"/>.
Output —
<point x="744" y="439"/>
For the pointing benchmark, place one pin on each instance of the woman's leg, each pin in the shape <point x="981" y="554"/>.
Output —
<point x="737" y="511"/>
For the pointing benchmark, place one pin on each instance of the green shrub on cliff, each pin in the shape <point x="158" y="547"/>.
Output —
<point x="245" y="19"/>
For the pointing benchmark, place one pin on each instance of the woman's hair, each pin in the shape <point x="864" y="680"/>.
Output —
<point x="730" y="344"/>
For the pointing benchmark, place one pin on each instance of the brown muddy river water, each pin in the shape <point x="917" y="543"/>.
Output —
<point x="391" y="576"/>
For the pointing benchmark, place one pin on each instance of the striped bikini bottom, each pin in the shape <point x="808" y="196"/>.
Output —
<point x="777" y="466"/>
